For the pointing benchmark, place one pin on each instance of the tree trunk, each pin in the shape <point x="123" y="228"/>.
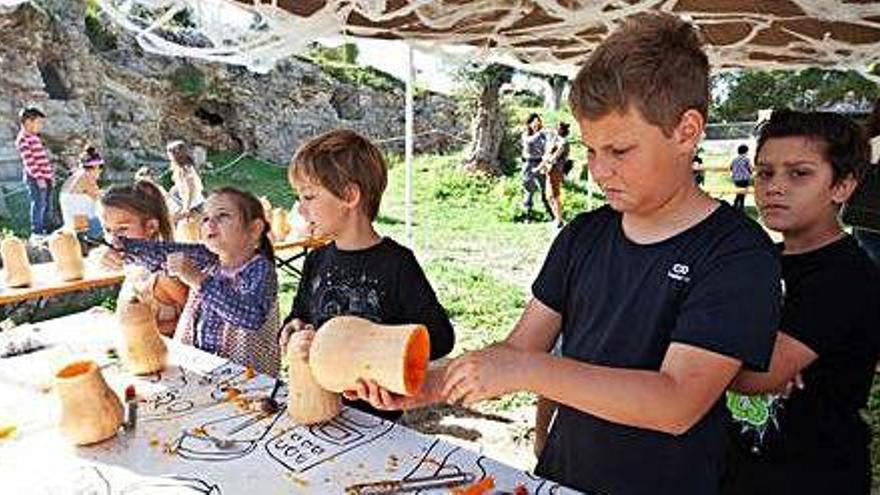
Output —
<point x="553" y="96"/>
<point x="487" y="130"/>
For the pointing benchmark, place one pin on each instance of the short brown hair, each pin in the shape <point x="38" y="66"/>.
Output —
<point x="341" y="158"/>
<point x="654" y="62"/>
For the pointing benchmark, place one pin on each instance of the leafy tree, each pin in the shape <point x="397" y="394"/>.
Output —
<point x="483" y="85"/>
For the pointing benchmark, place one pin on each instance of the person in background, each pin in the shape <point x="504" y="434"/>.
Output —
<point x="534" y="143"/>
<point x="187" y="191"/>
<point x="78" y="196"/>
<point x="869" y="239"/>
<point x="812" y="440"/>
<point x="741" y="174"/>
<point x="556" y="164"/>
<point x="38" y="172"/>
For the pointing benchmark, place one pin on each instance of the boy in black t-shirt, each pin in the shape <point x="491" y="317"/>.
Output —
<point x="661" y="297"/>
<point x="340" y="177"/>
<point x="813" y="441"/>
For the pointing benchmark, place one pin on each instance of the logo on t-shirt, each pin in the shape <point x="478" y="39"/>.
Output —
<point x="679" y="271"/>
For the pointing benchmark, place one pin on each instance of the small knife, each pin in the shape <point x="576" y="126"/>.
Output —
<point x="410" y="485"/>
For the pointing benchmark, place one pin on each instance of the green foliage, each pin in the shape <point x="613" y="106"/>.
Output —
<point x="341" y="64"/>
<point x="188" y="80"/>
<point x="260" y="177"/>
<point x="526" y="98"/>
<point x="477" y="76"/>
<point x="748" y="91"/>
<point x="100" y="36"/>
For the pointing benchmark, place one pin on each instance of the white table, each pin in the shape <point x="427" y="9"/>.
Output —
<point x="172" y="448"/>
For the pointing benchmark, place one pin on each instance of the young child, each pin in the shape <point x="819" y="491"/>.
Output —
<point x="232" y="309"/>
<point x="339" y="177"/>
<point x="815" y="440"/>
<point x="38" y="173"/>
<point x="138" y="212"/>
<point x="661" y="296"/>
<point x="187" y="192"/>
<point x="78" y="196"/>
<point x="741" y="174"/>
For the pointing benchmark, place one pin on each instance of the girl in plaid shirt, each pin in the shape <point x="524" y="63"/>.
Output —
<point x="232" y="309"/>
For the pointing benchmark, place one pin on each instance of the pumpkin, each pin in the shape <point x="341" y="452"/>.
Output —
<point x="67" y="253"/>
<point x="279" y="224"/>
<point x="347" y="348"/>
<point x="189" y="230"/>
<point x="15" y="261"/>
<point x="307" y="402"/>
<point x="143" y="350"/>
<point x="90" y="411"/>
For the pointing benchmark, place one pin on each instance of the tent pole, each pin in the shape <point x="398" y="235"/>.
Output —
<point x="410" y="81"/>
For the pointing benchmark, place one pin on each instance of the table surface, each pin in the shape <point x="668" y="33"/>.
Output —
<point x="182" y="410"/>
<point x="47" y="282"/>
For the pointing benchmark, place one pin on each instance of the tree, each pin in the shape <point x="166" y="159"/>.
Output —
<point x="556" y="83"/>
<point x="487" y="128"/>
<point x="741" y="94"/>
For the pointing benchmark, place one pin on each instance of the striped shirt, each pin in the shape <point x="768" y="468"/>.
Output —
<point x="33" y="156"/>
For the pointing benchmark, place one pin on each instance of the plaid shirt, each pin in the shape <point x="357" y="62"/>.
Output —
<point x="233" y="314"/>
<point x="33" y="156"/>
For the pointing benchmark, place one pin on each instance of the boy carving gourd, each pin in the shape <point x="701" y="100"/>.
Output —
<point x="307" y="402"/>
<point x="143" y="350"/>
<point x="90" y="410"/>
<point x="347" y="348"/>
<point x="67" y="253"/>
<point x="15" y="262"/>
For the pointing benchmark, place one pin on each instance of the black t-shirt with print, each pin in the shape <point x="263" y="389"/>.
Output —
<point x="714" y="286"/>
<point x="383" y="283"/>
<point x="815" y="441"/>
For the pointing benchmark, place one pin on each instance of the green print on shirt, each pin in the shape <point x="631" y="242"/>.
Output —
<point x="755" y="414"/>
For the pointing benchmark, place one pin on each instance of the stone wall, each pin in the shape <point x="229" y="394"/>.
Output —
<point x="131" y="103"/>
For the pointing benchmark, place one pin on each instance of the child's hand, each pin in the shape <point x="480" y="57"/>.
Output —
<point x="376" y="395"/>
<point x="295" y="325"/>
<point x="178" y="265"/>
<point x="110" y="259"/>
<point x="300" y="343"/>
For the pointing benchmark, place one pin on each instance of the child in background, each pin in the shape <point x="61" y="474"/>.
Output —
<point x="232" y="309"/>
<point x="79" y="193"/>
<point x="340" y="177"/>
<point x="138" y="212"/>
<point x="187" y="192"/>
<point x="38" y="173"/>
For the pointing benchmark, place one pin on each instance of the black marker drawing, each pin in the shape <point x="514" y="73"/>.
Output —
<point x="227" y="438"/>
<point x="172" y="485"/>
<point x="302" y="448"/>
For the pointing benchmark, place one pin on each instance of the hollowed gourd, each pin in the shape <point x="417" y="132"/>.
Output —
<point x="143" y="350"/>
<point x="307" y="402"/>
<point x="67" y="253"/>
<point x="347" y="348"/>
<point x="90" y="410"/>
<point x="15" y="262"/>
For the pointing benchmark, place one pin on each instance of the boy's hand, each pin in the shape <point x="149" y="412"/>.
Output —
<point x="485" y="374"/>
<point x="385" y="400"/>
<point x="295" y="325"/>
<point x="178" y="265"/>
<point x="300" y="343"/>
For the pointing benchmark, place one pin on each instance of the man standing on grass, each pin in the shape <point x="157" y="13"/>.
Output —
<point x="38" y="173"/>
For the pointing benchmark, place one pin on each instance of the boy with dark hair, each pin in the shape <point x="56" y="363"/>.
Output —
<point x="815" y="440"/>
<point x="661" y="296"/>
<point x="741" y="174"/>
<point x="37" y="171"/>
<point x="340" y="177"/>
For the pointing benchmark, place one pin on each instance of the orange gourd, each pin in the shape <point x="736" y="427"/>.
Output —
<point x="307" y="402"/>
<point x="347" y="348"/>
<point x="15" y="262"/>
<point x="143" y="350"/>
<point x="90" y="410"/>
<point x="67" y="253"/>
<point x="188" y="230"/>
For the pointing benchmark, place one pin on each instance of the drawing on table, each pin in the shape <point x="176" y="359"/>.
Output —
<point x="176" y="485"/>
<point x="304" y="447"/>
<point x="227" y="438"/>
<point x="178" y="395"/>
<point x="443" y="458"/>
<point x="88" y="480"/>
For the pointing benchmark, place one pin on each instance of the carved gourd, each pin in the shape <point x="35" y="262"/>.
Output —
<point x="307" y="402"/>
<point x="67" y="253"/>
<point x="143" y="350"/>
<point x="188" y="230"/>
<point x="279" y="224"/>
<point x="346" y="348"/>
<point x="15" y="262"/>
<point x="90" y="410"/>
